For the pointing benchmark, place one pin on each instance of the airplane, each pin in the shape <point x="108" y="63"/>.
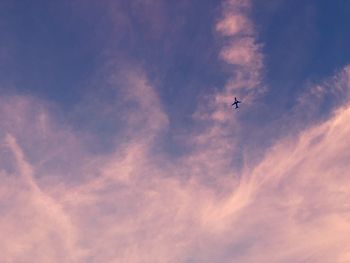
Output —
<point x="236" y="103"/>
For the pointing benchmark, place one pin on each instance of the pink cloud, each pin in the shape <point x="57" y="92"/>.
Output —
<point x="243" y="52"/>
<point x="233" y="24"/>
<point x="62" y="203"/>
<point x="241" y="48"/>
<point x="134" y="206"/>
<point x="245" y="61"/>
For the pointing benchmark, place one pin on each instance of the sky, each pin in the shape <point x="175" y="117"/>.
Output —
<point x="118" y="142"/>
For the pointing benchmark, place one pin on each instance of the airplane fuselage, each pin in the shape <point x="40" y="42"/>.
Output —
<point x="236" y="103"/>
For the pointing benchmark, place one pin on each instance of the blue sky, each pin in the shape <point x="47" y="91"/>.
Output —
<point x="302" y="40"/>
<point x="119" y="143"/>
<point x="52" y="50"/>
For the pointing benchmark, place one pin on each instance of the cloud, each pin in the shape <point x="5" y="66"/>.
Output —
<point x="34" y="224"/>
<point x="242" y="55"/>
<point x="136" y="206"/>
<point x="233" y="24"/>
<point x="301" y="194"/>
<point x="64" y="203"/>
<point x="243" y="52"/>
<point x="240" y="49"/>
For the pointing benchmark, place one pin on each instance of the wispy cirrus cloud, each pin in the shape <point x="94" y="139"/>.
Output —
<point x="64" y="203"/>
<point x="135" y="206"/>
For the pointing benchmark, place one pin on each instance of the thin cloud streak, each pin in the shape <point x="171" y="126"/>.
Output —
<point x="219" y="132"/>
